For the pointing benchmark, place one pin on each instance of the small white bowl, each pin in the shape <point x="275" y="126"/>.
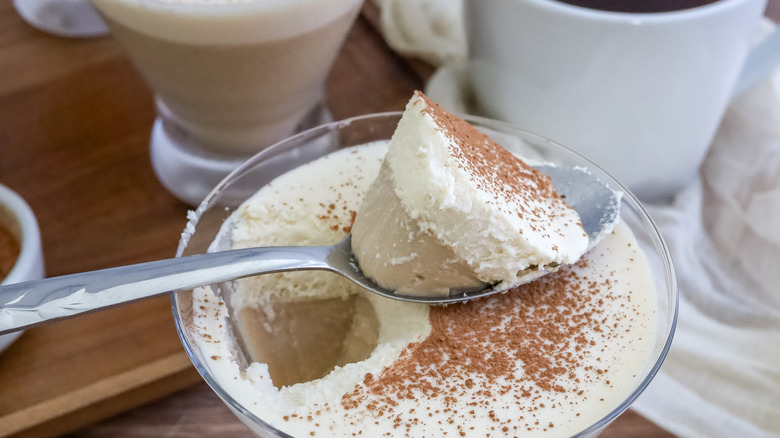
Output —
<point x="18" y="218"/>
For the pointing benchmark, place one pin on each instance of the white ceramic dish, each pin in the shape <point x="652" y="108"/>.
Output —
<point x="17" y="216"/>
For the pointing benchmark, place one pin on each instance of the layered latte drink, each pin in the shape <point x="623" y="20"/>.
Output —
<point x="231" y="76"/>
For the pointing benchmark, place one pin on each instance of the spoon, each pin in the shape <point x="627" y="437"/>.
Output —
<point x="23" y="305"/>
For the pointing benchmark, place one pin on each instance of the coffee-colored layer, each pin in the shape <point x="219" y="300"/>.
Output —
<point x="304" y="340"/>
<point x="232" y="97"/>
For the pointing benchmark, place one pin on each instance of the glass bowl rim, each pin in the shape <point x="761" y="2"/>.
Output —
<point x="668" y="266"/>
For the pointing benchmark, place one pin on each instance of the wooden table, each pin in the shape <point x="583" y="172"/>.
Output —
<point x="75" y="119"/>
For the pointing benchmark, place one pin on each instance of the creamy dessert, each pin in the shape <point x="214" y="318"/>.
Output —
<point x="452" y="209"/>
<point x="311" y="354"/>
<point x="234" y="74"/>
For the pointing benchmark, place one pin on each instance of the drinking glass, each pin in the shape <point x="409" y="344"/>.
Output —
<point x="229" y="78"/>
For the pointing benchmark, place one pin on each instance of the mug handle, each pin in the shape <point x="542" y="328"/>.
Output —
<point x="760" y="62"/>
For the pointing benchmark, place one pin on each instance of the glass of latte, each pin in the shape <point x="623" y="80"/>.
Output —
<point x="229" y="76"/>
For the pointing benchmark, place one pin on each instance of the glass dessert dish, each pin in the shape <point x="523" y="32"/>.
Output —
<point x="205" y="226"/>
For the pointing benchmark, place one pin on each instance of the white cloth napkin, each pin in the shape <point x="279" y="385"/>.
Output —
<point x="431" y="30"/>
<point x="722" y="375"/>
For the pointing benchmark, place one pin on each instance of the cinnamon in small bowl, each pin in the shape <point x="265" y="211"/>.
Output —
<point x="9" y="252"/>
<point x="21" y="254"/>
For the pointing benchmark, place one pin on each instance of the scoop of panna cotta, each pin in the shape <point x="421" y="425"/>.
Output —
<point x="451" y="208"/>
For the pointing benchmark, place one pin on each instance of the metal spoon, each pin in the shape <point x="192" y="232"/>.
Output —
<point x="26" y="304"/>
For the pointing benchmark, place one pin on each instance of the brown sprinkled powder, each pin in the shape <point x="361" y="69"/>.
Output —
<point x="498" y="172"/>
<point x="336" y="222"/>
<point x="521" y="343"/>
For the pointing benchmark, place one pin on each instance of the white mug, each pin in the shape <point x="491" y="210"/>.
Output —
<point x="641" y="94"/>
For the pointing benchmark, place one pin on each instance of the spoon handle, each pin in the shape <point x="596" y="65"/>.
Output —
<point x="30" y="303"/>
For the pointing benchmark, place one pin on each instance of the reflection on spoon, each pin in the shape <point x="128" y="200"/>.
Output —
<point x="26" y="304"/>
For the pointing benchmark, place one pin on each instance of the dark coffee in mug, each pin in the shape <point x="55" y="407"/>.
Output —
<point x="638" y="6"/>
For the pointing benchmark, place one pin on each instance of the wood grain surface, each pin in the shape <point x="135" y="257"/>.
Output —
<point x="75" y="120"/>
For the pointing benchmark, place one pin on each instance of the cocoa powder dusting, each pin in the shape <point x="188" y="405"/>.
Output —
<point x="521" y="344"/>
<point x="493" y="167"/>
<point x="509" y="181"/>
<point x="340" y="217"/>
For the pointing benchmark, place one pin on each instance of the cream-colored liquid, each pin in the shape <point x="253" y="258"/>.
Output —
<point x="236" y="76"/>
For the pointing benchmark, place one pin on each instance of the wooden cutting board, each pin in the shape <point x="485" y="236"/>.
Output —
<point x="59" y="377"/>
